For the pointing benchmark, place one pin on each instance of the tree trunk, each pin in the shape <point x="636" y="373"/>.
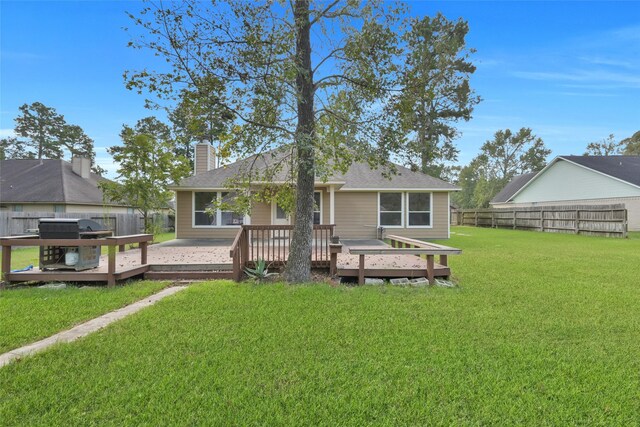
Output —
<point x="298" y="269"/>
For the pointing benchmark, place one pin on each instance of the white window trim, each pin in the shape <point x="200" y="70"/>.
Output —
<point x="430" y="209"/>
<point x="321" y="203"/>
<point x="402" y="210"/>
<point x="218" y="212"/>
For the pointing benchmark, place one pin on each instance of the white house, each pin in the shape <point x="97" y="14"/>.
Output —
<point x="579" y="180"/>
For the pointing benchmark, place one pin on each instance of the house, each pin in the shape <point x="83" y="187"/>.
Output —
<point x="579" y="180"/>
<point x="49" y="185"/>
<point x="501" y="199"/>
<point x="359" y="202"/>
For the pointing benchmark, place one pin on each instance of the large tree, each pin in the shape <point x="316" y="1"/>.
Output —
<point x="146" y="166"/>
<point x="201" y="119"/>
<point x="42" y="127"/>
<point x="508" y="154"/>
<point x="12" y="148"/>
<point x="438" y="95"/>
<point x="43" y="133"/>
<point x="632" y="145"/>
<point x="605" y="147"/>
<point x="316" y="82"/>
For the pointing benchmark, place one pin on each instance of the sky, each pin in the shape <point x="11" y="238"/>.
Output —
<point x="570" y="71"/>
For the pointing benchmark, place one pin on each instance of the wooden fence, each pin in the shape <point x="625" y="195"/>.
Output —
<point x="17" y="223"/>
<point x="602" y="220"/>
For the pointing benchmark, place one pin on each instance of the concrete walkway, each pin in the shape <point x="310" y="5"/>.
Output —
<point x="87" y="327"/>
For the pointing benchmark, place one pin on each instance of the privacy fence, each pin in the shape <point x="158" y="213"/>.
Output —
<point x="602" y="220"/>
<point x="122" y="224"/>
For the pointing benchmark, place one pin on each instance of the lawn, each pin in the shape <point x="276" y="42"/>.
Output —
<point x="29" y="314"/>
<point x="22" y="257"/>
<point x="544" y="329"/>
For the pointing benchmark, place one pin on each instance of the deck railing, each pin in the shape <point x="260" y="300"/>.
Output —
<point x="271" y="243"/>
<point x="238" y="254"/>
<point x="406" y="246"/>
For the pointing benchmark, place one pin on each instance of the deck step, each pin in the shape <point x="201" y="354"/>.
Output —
<point x="191" y="267"/>
<point x="393" y="272"/>
<point x="188" y="275"/>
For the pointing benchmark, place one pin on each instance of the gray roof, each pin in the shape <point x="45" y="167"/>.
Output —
<point x="625" y="168"/>
<point x="46" y="181"/>
<point x="512" y="187"/>
<point x="359" y="176"/>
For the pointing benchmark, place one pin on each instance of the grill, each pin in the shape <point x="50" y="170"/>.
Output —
<point x="70" y="257"/>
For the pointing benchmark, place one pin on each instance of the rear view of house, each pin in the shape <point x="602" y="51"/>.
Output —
<point x="361" y="202"/>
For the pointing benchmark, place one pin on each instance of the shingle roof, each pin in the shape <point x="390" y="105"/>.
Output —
<point x="46" y="181"/>
<point x="625" y="168"/>
<point x="512" y="187"/>
<point x="359" y="176"/>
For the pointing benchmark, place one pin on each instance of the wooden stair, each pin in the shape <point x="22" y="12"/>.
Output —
<point x="189" y="272"/>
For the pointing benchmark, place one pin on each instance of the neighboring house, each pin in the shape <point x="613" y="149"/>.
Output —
<point x="53" y="186"/>
<point x="510" y="189"/>
<point x="358" y="202"/>
<point x="579" y="180"/>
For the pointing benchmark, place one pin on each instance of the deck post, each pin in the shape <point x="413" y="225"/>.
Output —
<point x="334" y="250"/>
<point x="431" y="269"/>
<point x="143" y="252"/>
<point x="6" y="265"/>
<point x="444" y="260"/>
<point x="361" y="270"/>
<point x="244" y="253"/>
<point x="332" y="204"/>
<point x="122" y="248"/>
<point x="111" y="270"/>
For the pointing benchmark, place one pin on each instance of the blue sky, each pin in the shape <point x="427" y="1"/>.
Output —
<point x="568" y="70"/>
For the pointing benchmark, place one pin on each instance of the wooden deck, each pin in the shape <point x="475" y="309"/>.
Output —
<point x="405" y="258"/>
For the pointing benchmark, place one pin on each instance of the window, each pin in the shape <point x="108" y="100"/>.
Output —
<point x="17" y="208"/>
<point x="317" y="207"/>
<point x="230" y="217"/>
<point x="204" y="201"/>
<point x="419" y="209"/>
<point x="58" y="208"/>
<point x="130" y="211"/>
<point x="390" y="209"/>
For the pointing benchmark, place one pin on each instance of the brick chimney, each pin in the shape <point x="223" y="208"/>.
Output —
<point x="204" y="158"/>
<point x="81" y="166"/>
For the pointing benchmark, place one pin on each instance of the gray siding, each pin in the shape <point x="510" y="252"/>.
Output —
<point x="357" y="217"/>
<point x="184" y="221"/>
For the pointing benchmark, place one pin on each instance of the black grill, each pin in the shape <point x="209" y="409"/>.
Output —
<point x="70" y="228"/>
<point x="54" y="257"/>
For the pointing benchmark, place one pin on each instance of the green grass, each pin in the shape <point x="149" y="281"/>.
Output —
<point x="22" y="257"/>
<point x="29" y="314"/>
<point x="543" y="330"/>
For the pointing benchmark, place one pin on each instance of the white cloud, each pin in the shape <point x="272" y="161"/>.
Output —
<point x="601" y="61"/>
<point x="21" y="56"/>
<point x="586" y="76"/>
<point x="4" y="133"/>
